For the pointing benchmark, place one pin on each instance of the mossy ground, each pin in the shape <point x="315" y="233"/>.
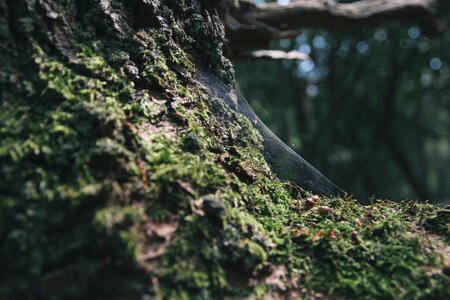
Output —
<point x="123" y="176"/>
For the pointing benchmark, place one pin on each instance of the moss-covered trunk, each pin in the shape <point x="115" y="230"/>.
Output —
<point x="122" y="176"/>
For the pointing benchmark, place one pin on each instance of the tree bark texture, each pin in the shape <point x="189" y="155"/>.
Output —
<point x="124" y="174"/>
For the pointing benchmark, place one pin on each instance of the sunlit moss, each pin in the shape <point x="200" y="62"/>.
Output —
<point x="99" y="155"/>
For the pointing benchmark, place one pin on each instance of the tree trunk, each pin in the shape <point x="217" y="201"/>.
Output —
<point x="126" y="174"/>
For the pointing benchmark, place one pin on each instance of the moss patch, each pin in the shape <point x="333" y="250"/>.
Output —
<point x="123" y="177"/>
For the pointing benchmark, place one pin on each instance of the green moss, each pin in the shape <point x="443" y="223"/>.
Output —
<point x="116" y="152"/>
<point x="121" y="227"/>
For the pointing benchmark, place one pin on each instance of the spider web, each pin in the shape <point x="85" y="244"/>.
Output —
<point x="283" y="161"/>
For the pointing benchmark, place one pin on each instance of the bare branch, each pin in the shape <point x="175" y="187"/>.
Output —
<point x="332" y="15"/>
<point x="278" y="54"/>
<point x="255" y="26"/>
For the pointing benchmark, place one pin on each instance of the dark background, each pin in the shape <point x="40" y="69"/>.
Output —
<point x="371" y="111"/>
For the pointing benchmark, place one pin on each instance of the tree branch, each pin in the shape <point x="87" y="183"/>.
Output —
<point x="275" y="19"/>
<point x="324" y="14"/>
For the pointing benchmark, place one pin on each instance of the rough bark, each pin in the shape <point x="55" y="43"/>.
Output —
<point x="125" y="176"/>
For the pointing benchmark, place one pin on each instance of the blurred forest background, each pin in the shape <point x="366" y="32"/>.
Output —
<point x="370" y="111"/>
